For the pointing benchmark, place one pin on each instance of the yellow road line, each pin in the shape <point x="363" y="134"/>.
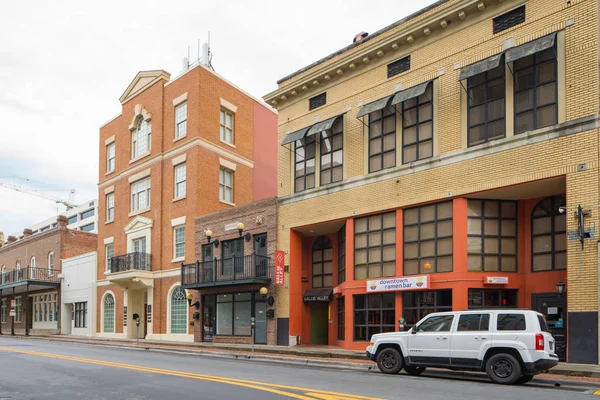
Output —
<point x="597" y="393"/>
<point x="309" y="394"/>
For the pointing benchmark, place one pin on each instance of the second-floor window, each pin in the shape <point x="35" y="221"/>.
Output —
<point x="382" y="139"/>
<point x="304" y="160"/>
<point x="417" y="127"/>
<point x="375" y="246"/>
<point x="179" y="239"/>
<point x="226" y="185"/>
<point x="110" y="207"/>
<point x="322" y="263"/>
<point x="332" y="153"/>
<point x="140" y="195"/>
<point x="226" y="122"/>
<point x="110" y="252"/>
<point x="140" y="139"/>
<point x="180" y="181"/>
<point x="110" y="157"/>
<point x="486" y="112"/>
<point x="181" y="120"/>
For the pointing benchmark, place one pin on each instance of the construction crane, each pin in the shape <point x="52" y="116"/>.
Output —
<point x="67" y="203"/>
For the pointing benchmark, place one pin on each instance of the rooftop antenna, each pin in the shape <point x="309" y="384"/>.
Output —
<point x="207" y="54"/>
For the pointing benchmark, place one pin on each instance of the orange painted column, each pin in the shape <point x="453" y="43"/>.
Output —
<point x="295" y="260"/>
<point x="460" y="299"/>
<point x="349" y="300"/>
<point x="399" y="243"/>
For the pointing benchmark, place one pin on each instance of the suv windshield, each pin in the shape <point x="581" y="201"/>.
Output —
<point x="543" y="324"/>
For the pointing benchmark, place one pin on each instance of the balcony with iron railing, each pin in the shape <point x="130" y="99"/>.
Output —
<point x="231" y="271"/>
<point x="27" y="275"/>
<point x="131" y="262"/>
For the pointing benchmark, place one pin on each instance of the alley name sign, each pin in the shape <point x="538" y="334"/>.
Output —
<point x="398" y="284"/>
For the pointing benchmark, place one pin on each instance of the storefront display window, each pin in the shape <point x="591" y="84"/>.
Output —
<point x="373" y="313"/>
<point x="492" y="298"/>
<point x="417" y="305"/>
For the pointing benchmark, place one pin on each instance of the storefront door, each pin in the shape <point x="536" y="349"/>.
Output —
<point x="208" y="317"/>
<point x="260" y="327"/>
<point x="318" y="323"/>
<point x="554" y="309"/>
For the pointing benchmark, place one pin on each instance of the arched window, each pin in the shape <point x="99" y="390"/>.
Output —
<point x="322" y="263"/>
<point x="32" y="265"/>
<point x="108" y="314"/>
<point x="19" y="273"/>
<point x="140" y="139"/>
<point x="179" y="311"/>
<point x="549" y="235"/>
<point x="51" y="263"/>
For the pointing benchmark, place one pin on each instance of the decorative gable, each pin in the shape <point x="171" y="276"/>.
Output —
<point x="138" y="223"/>
<point x="142" y="81"/>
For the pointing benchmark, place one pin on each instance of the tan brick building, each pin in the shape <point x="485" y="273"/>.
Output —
<point x="440" y="164"/>
<point x="30" y="274"/>
<point x="182" y="147"/>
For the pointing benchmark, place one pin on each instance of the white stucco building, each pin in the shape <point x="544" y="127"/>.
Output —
<point x="78" y="295"/>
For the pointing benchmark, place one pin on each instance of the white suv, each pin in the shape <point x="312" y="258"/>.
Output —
<point x="510" y="345"/>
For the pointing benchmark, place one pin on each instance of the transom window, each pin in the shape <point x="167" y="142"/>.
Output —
<point x="373" y="313"/>
<point x="179" y="234"/>
<point x="108" y="314"/>
<point x="226" y="185"/>
<point x="180" y="181"/>
<point x="486" y="112"/>
<point x="549" y="235"/>
<point x="226" y="122"/>
<point x="179" y="311"/>
<point x="375" y="246"/>
<point x="417" y="127"/>
<point x="140" y="142"/>
<point x="382" y="139"/>
<point x="536" y="91"/>
<point x="322" y="263"/>
<point x="140" y="195"/>
<point x="428" y="239"/>
<point x="110" y="207"/>
<point x="332" y="154"/>
<point x="492" y="235"/>
<point x="181" y="120"/>
<point x="110" y="157"/>
<point x="304" y="160"/>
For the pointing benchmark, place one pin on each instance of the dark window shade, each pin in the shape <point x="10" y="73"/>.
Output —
<point x="317" y="101"/>
<point x="509" y="19"/>
<point x="399" y="66"/>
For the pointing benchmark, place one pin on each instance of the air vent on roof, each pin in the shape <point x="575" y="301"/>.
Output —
<point x="399" y="66"/>
<point x="317" y="101"/>
<point x="360" y="36"/>
<point x="509" y="19"/>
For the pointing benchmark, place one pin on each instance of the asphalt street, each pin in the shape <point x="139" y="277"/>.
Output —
<point x="35" y="369"/>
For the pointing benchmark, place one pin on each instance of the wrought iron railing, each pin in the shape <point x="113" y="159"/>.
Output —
<point x="131" y="261"/>
<point x="29" y="274"/>
<point x="227" y="269"/>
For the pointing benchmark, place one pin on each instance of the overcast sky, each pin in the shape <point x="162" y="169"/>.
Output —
<point x="64" y="65"/>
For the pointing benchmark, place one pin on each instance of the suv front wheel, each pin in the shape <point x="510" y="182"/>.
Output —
<point x="390" y="361"/>
<point x="503" y="368"/>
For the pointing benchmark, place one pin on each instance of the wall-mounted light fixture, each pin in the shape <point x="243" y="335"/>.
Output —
<point x="189" y="298"/>
<point x="263" y="292"/>
<point x="560" y="288"/>
<point x="247" y="236"/>
<point x="208" y="233"/>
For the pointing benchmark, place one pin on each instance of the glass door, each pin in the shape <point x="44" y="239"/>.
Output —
<point x="208" y="317"/>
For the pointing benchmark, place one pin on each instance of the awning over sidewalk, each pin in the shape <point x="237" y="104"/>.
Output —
<point x="318" y="295"/>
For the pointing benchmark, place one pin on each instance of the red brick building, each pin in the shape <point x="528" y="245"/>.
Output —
<point x="181" y="148"/>
<point x="30" y="272"/>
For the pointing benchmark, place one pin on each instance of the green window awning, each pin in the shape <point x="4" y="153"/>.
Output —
<point x="322" y="126"/>
<point x="374" y="106"/>
<point x="297" y="135"/>
<point x="529" y="48"/>
<point x="410" y="93"/>
<point x="480" y="66"/>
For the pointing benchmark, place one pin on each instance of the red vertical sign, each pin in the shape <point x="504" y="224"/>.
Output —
<point x="279" y="267"/>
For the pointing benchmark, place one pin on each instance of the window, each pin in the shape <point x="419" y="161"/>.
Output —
<point x="428" y="239"/>
<point x="45" y="308"/>
<point x="88" y="227"/>
<point x="417" y="127"/>
<point x="486" y="106"/>
<point x="399" y="66"/>
<point x="382" y="139"/>
<point x="543" y="324"/>
<point x="226" y="122"/>
<point x="322" y="263"/>
<point x="109" y="314"/>
<point x="109" y="254"/>
<point x="436" y="323"/>
<point x="88" y="213"/>
<point x="492" y="235"/>
<point x="509" y="19"/>
<point x="140" y="139"/>
<point x="3" y="312"/>
<point x="549" y="235"/>
<point x="474" y="322"/>
<point x="33" y="265"/>
<point x="373" y="313"/>
<point x="179" y="234"/>
<point x="110" y="157"/>
<point x="304" y="159"/>
<point x="180" y="181"/>
<point x="19" y="272"/>
<point x="81" y="315"/>
<point x="341" y="321"/>
<point x="18" y="309"/>
<point x="232" y="257"/>
<point x="332" y="153"/>
<point x="375" y="246"/>
<point x="536" y="91"/>
<point x="72" y="219"/>
<point x="140" y="195"/>
<point x="417" y="305"/>
<point x="492" y="298"/>
<point x="317" y="101"/>
<point x="110" y="207"/>
<point x="233" y="314"/>
<point x="51" y="263"/>
<point x="342" y="255"/>
<point x="179" y="311"/>
<point x="3" y="280"/>
<point x="511" y="322"/>
<point x="181" y="120"/>
<point x="226" y="185"/>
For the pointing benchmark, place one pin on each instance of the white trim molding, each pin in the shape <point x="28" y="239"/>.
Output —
<point x="227" y="164"/>
<point x="228" y="105"/>
<point x="109" y="240"/>
<point x="109" y="189"/>
<point x="140" y="175"/>
<point x="178" y="221"/>
<point x="179" y="159"/>
<point x="180" y="99"/>
<point x="110" y="140"/>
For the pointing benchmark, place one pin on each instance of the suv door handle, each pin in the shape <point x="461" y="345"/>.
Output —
<point x="444" y="337"/>
<point x="484" y="337"/>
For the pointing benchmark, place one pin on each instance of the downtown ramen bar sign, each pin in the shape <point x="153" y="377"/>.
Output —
<point x="398" y="284"/>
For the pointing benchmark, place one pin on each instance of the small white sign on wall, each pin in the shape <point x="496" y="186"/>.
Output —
<point x="231" y="226"/>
